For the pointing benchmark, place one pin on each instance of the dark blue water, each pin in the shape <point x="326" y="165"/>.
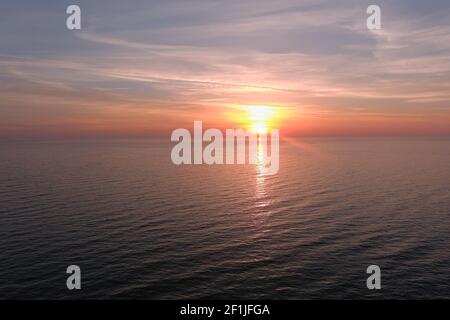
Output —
<point x="140" y="227"/>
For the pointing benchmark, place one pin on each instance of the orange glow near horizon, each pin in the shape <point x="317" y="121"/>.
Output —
<point x="260" y="118"/>
<point x="257" y="118"/>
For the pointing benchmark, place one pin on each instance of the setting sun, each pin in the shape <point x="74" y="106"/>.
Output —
<point x="259" y="127"/>
<point x="260" y="118"/>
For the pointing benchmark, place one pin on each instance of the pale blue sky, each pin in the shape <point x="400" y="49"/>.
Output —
<point x="163" y="58"/>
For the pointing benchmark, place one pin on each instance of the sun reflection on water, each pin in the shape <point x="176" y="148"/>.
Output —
<point x="261" y="174"/>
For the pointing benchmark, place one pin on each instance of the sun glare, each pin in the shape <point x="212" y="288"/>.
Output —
<point x="259" y="128"/>
<point x="260" y="118"/>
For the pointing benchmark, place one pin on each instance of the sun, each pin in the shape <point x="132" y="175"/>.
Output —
<point x="259" y="128"/>
<point x="260" y="118"/>
<point x="260" y="113"/>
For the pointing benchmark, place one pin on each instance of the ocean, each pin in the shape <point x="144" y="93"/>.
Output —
<point x="140" y="227"/>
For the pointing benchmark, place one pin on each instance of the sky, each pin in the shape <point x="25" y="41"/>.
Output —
<point x="145" y="68"/>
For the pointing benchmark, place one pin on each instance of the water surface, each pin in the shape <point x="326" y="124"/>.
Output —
<point x="140" y="227"/>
